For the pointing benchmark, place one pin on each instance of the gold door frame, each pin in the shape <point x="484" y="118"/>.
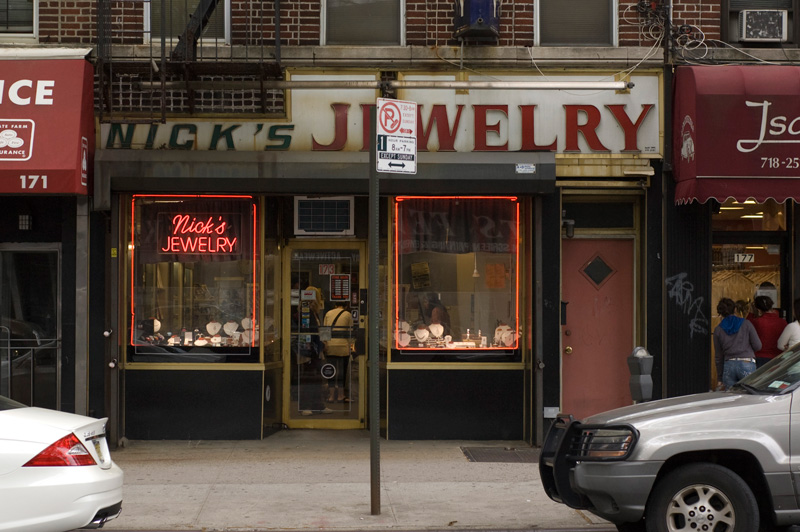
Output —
<point x="288" y="360"/>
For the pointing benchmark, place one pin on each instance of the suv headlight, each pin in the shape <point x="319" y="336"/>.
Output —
<point x="605" y="443"/>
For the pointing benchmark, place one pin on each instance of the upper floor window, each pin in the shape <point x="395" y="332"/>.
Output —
<point x="17" y="16"/>
<point x="760" y="23"/>
<point x="576" y="23"/>
<point x="177" y="16"/>
<point x="363" y="22"/>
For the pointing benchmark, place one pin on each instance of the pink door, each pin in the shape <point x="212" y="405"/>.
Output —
<point x="597" y="330"/>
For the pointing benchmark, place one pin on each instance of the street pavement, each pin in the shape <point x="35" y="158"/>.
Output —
<point x="320" y="480"/>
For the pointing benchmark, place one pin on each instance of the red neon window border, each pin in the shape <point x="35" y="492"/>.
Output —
<point x="195" y="196"/>
<point x="398" y="200"/>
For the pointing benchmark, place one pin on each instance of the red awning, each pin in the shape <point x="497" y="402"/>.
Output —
<point x="737" y="133"/>
<point x="46" y="126"/>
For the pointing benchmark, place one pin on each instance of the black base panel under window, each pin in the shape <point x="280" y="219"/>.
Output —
<point x="456" y="405"/>
<point x="193" y="405"/>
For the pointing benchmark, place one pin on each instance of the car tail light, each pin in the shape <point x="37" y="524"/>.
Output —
<point x="68" y="451"/>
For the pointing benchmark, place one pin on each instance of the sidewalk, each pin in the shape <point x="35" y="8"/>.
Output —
<point x="311" y="480"/>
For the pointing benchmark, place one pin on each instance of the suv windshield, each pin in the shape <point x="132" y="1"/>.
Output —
<point x="781" y="375"/>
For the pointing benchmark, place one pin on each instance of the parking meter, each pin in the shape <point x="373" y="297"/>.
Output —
<point x="640" y="363"/>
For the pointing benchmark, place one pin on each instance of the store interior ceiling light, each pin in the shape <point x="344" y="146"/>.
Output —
<point x="756" y="215"/>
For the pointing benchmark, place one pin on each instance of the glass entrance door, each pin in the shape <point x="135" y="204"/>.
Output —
<point x="326" y="349"/>
<point x="30" y="350"/>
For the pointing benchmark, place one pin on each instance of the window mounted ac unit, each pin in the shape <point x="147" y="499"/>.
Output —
<point x="762" y="25"/>
<point x="323" y="216"/>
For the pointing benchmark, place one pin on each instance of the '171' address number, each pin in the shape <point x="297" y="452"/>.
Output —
<point x="30" y="182"/>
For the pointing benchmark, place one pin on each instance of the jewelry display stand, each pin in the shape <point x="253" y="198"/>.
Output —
<point x="230" y="327"/>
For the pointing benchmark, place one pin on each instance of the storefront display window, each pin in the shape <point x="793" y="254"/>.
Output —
<point x="457" y="274"/>
<point x="193" y="279"/>
<point x="750" y="216"/>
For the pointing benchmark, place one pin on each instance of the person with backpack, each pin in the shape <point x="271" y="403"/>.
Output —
<point x="339" y="349"/>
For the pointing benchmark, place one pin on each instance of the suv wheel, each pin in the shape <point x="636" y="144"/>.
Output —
<point x="702" y="498"/>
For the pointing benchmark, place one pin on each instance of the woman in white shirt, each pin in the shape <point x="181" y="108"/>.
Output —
<point x="791" y="334"/>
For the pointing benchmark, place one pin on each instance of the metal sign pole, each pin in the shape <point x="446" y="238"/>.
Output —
<point x="373" y="321"/>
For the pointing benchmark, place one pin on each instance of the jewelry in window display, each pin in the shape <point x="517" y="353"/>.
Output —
<point x="421" y="333"/>
<point x="403" y="338"/>
<point x="250" y="334"/>
<point x="504" y="335"/>
<point x="230" y="327"/>
<point x="213" y="327"/>
<point x="174" y="340"/>
<point x="436" y="329"/>
<point x="508" y="338"/>
<point x="201" y="340"/>
<point x="216" y="340"/>
<point x="499" y="332"/>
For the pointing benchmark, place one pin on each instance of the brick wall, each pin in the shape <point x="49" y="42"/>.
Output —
<point x="702" y="14"/>
<point x="428" y="22"/>
<point x="67" y="22"/>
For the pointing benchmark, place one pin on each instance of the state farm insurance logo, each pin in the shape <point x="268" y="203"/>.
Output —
<point x="16" y="139"/>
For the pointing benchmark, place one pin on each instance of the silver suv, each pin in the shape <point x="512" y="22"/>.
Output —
<point x="712" y="462"/>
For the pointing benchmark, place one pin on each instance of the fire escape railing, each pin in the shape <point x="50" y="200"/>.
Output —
<point x="140" y="80"/>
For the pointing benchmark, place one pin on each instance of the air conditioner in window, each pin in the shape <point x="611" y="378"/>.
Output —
<point x="324" y="216"/>
<point x="477" y="20"/>
<point x="763" y="25"/>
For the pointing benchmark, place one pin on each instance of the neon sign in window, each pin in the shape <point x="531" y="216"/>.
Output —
<point x="193" y="277"/>
<point x="457" y="273"/>
<point x="199" y="233"/>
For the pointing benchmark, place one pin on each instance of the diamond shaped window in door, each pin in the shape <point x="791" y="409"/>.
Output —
<point x="597" y="271"/>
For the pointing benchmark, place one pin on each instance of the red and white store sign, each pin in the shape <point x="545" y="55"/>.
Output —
<point x="46" y="126"/>
<point x="736" y="133"/>
<point x="581" y="122"/>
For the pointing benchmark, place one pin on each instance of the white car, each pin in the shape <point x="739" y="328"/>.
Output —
<point x="56" y="472"/>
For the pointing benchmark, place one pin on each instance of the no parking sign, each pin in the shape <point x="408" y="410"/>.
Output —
<point x="396" y="141"/>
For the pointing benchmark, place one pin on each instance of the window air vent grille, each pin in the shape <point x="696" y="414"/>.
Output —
<point x="323" y="216"/>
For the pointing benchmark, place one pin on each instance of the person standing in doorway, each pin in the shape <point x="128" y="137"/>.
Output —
<point x="769" y="326"/>
<point x="735" y="345"/>
<point x="791" y="334"/>
<point x="339" y="348"/>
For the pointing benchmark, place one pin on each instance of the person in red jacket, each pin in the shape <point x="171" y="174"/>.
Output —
<point x="769" y="326"/>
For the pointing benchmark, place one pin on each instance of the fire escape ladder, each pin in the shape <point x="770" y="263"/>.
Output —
<point x="186" y="49"/>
